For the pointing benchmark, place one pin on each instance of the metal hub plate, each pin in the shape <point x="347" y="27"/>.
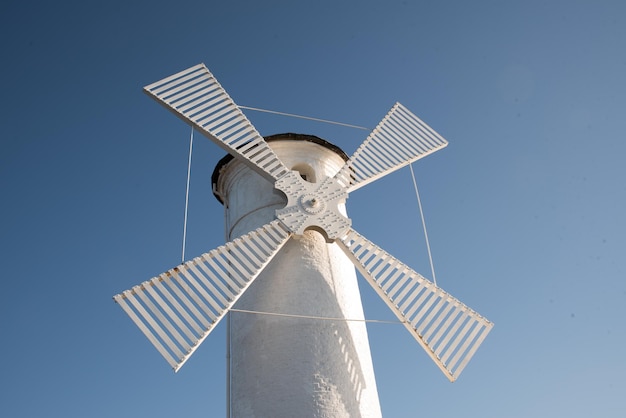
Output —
<point x="313" y="206"/>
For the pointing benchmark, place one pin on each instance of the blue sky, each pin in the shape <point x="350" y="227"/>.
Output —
<point x="524" y="208"/>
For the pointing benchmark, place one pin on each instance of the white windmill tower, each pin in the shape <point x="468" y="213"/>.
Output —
<point x="294" y="349"/>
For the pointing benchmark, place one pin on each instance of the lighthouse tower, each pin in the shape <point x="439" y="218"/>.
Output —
<point x="298" y="346"/>
<point x="286" y="357"/>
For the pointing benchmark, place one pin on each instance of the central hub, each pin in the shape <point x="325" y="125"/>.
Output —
<point x="313" y="205"/>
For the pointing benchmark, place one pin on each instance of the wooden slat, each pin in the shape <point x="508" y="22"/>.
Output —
<point x="170" y="312"/>
<point x="173" y="331"/>
<point x="151" y="337"/>
<point x="175" y="304"/>
<point x="440" y="318"/>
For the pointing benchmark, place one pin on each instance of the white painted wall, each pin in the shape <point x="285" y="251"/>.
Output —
<point x="295" y="367"/>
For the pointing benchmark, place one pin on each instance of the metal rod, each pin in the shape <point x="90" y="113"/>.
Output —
<point x="325" y="318"/>
<point x="187" y="195"/>
<point x="274" y="112"/>
<point x="419" y="203"/>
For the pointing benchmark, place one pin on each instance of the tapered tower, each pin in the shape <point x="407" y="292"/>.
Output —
<point x="303" y="364"/>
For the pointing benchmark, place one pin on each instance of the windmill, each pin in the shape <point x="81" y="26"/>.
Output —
<point x="296" y="186"/>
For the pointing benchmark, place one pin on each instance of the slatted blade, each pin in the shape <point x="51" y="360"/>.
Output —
<point x="449" y="331"/>
<point x="398" y="140"/>
<point x="195" y="96"/>
<point x="179" y="308"/>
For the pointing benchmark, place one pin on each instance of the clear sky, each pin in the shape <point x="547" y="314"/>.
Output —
<point x="525" y="207"/>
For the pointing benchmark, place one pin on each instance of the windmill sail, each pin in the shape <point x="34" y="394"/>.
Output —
<point x="195" y="96"/>
<point x="399" y="139"/>
<point x="179" y="308"/>
<point x="449" y="331"/>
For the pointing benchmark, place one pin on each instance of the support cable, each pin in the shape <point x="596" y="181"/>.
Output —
<point x="274" y="112"/>
<point x="419" y="203"/>
<point x="187" y="195"/>
<point x="324" y="318"/>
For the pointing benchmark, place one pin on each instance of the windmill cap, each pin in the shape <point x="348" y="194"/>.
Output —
<point x="277" y="137"/>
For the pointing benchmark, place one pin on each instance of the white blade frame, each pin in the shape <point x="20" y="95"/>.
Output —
<point x="178" y="309"/>
<point x="399" y="139"/>
<point x="195" y="96"/>
<point x="448" y="330"/>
